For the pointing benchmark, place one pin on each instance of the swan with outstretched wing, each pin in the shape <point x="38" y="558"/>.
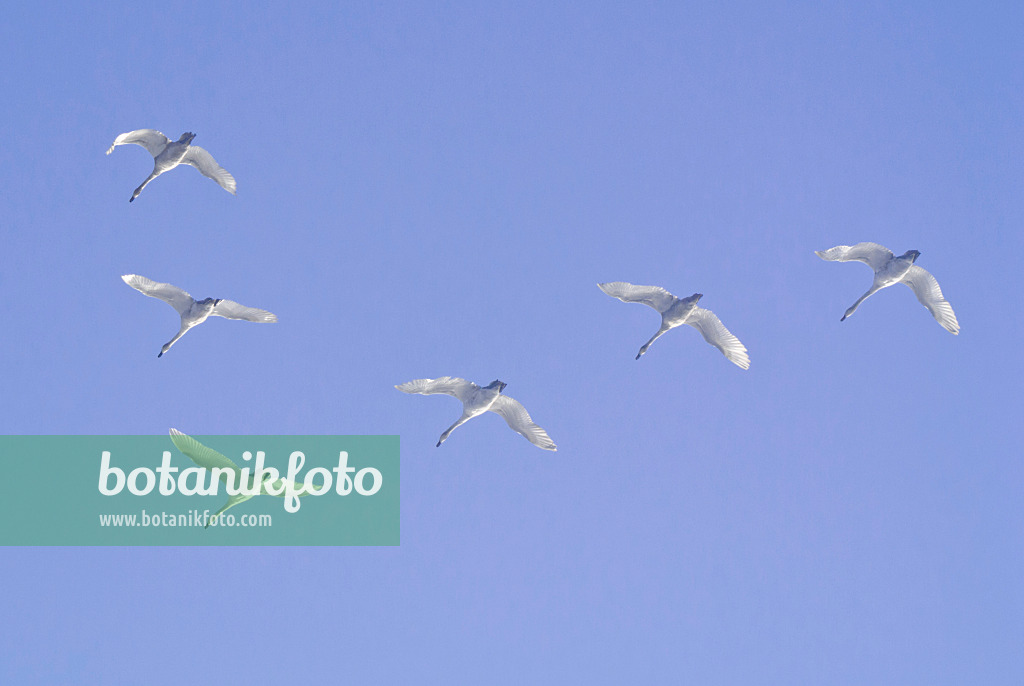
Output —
<point x="890" y="270"/>
<point x="167" y="155"/>
<point x="678" y="311"/>
<point x="477" y="400"/>
<point x="194" y="312"/>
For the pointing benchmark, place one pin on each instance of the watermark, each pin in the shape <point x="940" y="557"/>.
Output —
<point x="247" y="484"/>
<point x="178" y="489"/>
<point x="191" y="518"/>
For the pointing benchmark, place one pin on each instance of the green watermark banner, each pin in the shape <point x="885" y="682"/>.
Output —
<point x="178" y="489"/>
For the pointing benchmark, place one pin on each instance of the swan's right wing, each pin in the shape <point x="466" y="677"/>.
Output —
<point x="204" y="162"/>
<point x="450" y="385"/>
<point x="715" y="333"/>
<point x="229" y="309"/>
<point x="151" y="139"/>
<point x="872" y="254"/>
<point x="927" y="290"/>
<point x="513" y="412"/>
<point x="652" y="296"/>
<point x="205" y="457"/>
<point x="172" y="295"/>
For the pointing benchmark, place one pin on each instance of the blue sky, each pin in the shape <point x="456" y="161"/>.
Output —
<point x="429" y="190"/>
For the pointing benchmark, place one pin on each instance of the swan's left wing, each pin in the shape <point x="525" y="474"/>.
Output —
<point x="652" y="296"/>
<point x="151" y="139"/>
<point x="169" y="293"/>
<point x="513" y="412"/>
<point x="204" y="456"/>
<point x="715" y="333"/>
<point x="871" y="254"/>
<point x="204" y="162"/>
<point x="211" y="459"/>
<point x="449" y="385"/>
<point x="927" y="290"/>
<point x="229" y="309"/>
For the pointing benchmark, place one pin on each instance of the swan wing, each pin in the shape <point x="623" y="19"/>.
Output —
<point x="927" y="290"/>
<point x="715" y="333"/>
<point x="151" y="139"/>
<point x="652" y="296"/>
<point x="450" y="385"/>
<point x="204" y="162"/>
<point x="229" y="309"/>
<point x="172" y="295"/>
<point x="872" y="254"/>
<point x="518" y="419"/>
<point x="205" y="457"/>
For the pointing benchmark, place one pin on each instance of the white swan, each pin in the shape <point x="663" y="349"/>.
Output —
<point x="168" y="155"/>
<point x="194" y="312"/>
<point x="476" y="401"/>
<point x="211" y="459"/>
<point x="677" y="311"/>
<point x="890" y="270"/>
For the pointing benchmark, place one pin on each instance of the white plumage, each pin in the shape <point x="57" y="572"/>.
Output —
<point x="168" y="155"/>
<point x="678" y="311"/>
<point x="890" y="270"/>
<point x="194" y="312"/>
<point x="477" y="400"/>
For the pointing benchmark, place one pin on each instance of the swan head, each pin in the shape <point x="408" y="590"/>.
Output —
<point x="499" y="385"/>
<point x="186" y="137"/>
<point x="912" y="255"/>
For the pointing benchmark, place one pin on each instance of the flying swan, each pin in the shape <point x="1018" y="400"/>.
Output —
<point x="677" y="311"/>
<point x="194" y="312"/>
<point x="211" y="459"/>
<point x="476" y="401"/>
<point x="168" y="155"/>
<point x="890" y="270"/>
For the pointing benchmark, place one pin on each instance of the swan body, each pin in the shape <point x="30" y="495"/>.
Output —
<point x="890" y="270"/>
<point x="194" y="312"/>
<point x="167" y="155"/>
<point x="678" y="311"/>
<point x="476" y="401"/>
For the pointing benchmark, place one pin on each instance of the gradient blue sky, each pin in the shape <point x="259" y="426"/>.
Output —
<point x="430" y="189"/>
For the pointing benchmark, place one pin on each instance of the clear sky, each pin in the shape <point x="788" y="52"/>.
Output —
<point x="430" y="189"/>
